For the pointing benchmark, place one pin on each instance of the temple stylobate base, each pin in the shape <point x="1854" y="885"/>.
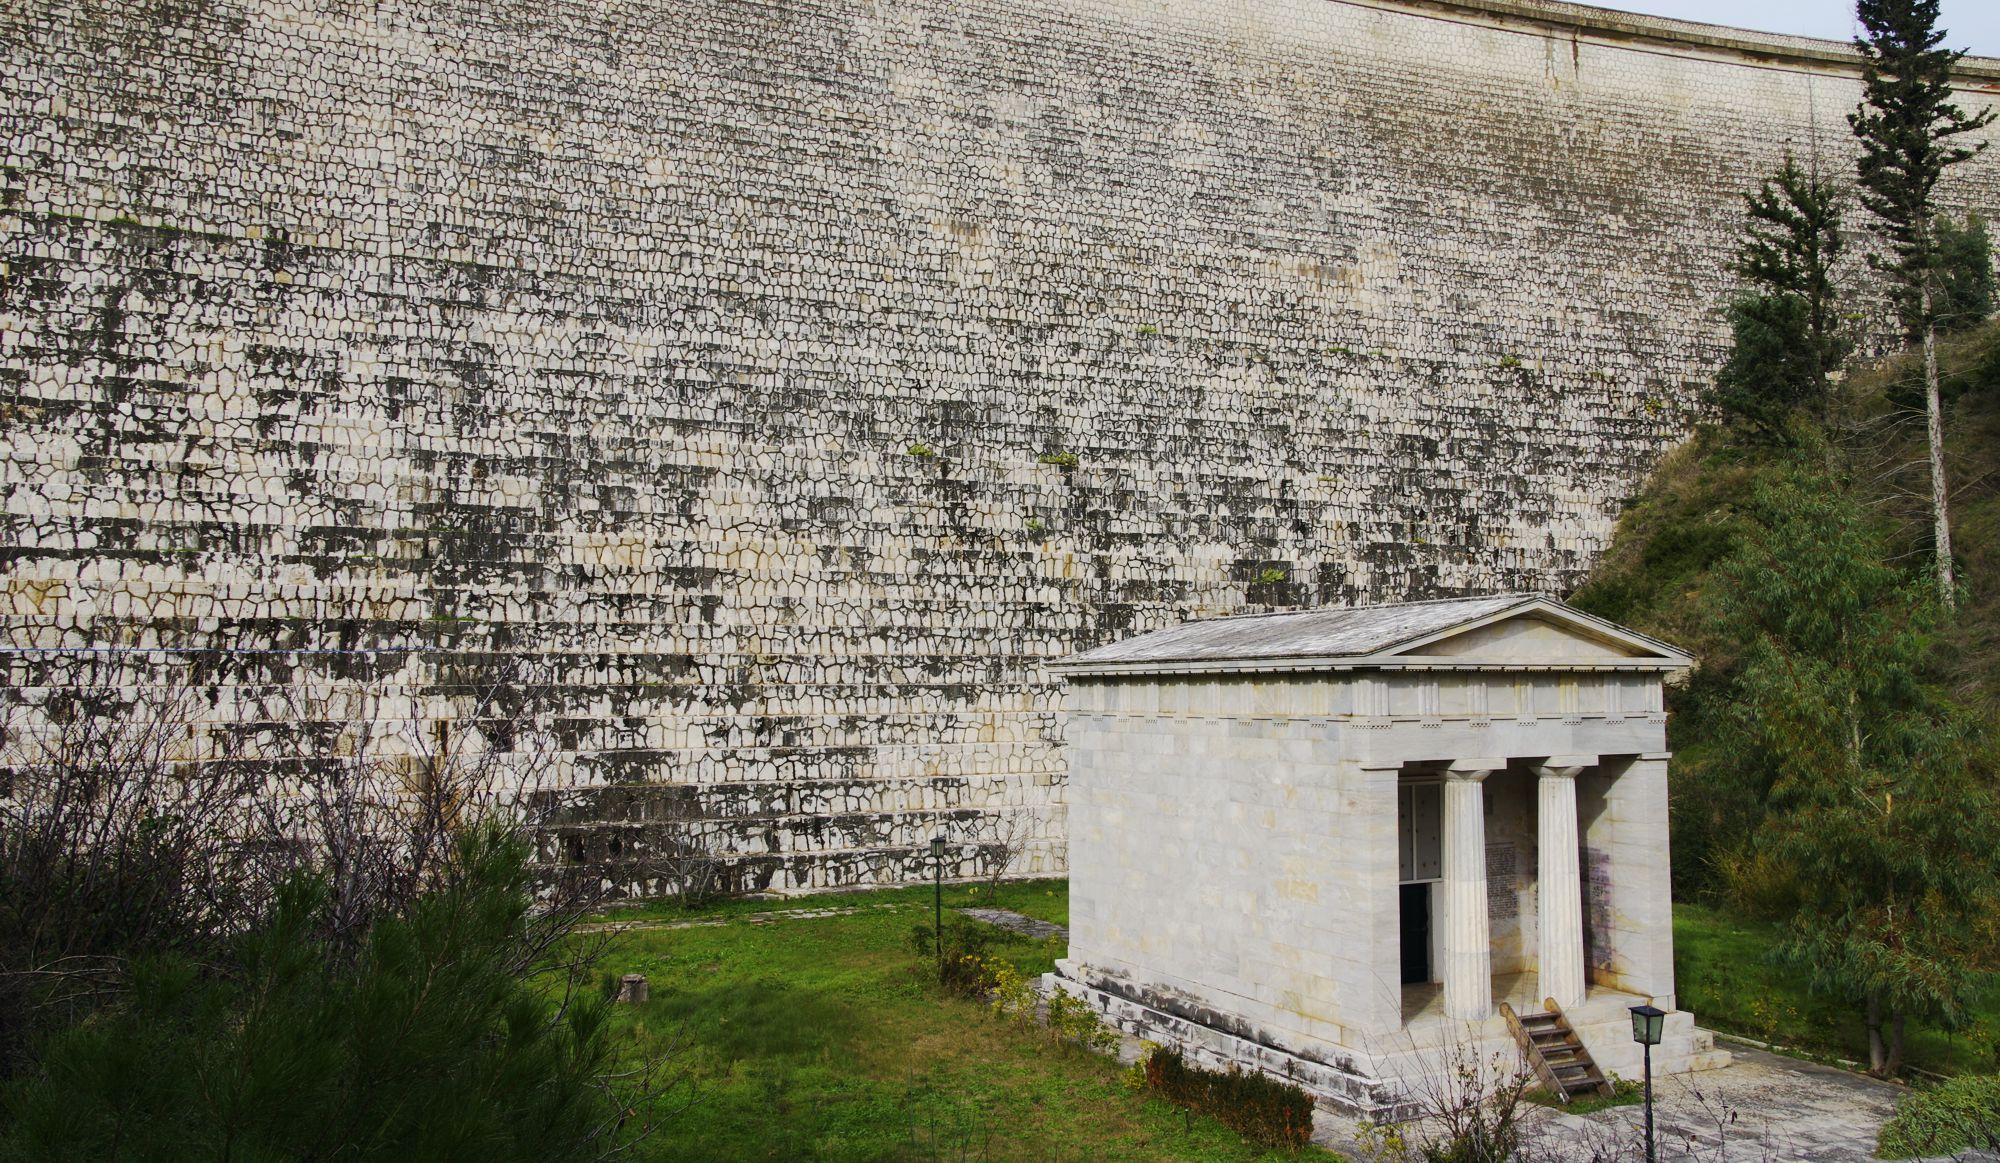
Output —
<point x="1385" y="1079"/>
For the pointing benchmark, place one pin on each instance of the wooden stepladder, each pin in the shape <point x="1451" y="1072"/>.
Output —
<point x="1555" y="1053"/>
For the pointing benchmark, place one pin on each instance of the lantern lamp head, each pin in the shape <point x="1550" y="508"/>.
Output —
<point x="937" y="847"/>
<point x="1648" y="1023"/>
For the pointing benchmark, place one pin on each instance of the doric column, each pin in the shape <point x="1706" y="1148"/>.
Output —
<point x="1561" y="884"/>
<point x="1468" y="943"/>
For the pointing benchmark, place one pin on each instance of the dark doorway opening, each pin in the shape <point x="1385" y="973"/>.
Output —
<point x="1416" y="902"/>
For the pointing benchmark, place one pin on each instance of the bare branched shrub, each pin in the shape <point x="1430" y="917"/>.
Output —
<point x="680" y="857"/>
<point x="1001" y="839"/>
<point x="112" y="844"/>
<point x="376" y="806"/>
<point x="126" y="830"/>
<point x="1479" y="1109"/>
<point x="1476" y="1110"/>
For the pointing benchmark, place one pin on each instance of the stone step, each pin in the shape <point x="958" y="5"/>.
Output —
<point x="1709" y="1059"/>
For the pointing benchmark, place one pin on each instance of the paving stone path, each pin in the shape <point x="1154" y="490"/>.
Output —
<point x="753" y="918"/>
<point x="1761" y="1108"/>
<point x="1014" y="922"/>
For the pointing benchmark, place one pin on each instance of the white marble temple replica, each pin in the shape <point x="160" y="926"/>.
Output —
<point x="1329" y="843"/>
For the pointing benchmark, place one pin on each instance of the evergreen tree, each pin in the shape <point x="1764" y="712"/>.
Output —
<point x="1881" y="838"/>
<point x="447" y="1037"/>
<point x="1907" y="124"/>
<point x="1786" y="325"/>
<point x="1965" y="273"/>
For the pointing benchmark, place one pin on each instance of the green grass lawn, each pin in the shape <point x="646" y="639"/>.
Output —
<point x="1723" y="973"/>
<point x="825" y="1038"/>
<point x="1047" y="900"/>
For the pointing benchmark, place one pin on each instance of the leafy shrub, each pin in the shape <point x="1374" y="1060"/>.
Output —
<point x="1134" y="1077"/>
<point x="1072" y="1020"/>
<point x="1276" y="1114"/>
<point x="1014" y="997"/>
<point x="1957" y="1115"/>
<point x="964" y="969"/>
<point x="434" y="1041"/>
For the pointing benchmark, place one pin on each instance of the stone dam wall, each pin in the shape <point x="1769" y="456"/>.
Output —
<point x="748" y="398"/>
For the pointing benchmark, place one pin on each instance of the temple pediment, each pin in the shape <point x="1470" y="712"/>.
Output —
<point x="1540" y="638"/>
<point x="1503" y="632"/>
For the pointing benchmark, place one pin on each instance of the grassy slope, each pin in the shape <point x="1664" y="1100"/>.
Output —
<point x="824" y="1038"/>
<point x="1974" y="474"/>
<point x="1724" y="977"/>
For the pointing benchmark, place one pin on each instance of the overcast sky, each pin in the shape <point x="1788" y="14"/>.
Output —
<point x="1971" y="24"/>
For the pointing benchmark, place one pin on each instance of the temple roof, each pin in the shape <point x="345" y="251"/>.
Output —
<point x="1502" y="631"/>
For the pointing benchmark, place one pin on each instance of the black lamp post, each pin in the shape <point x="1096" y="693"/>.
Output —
<point x="1647" y="1024"/>
<point x="937" y="921"/>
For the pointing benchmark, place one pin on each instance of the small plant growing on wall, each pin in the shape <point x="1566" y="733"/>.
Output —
<point x="1036" y="526"/>
<point x="1509" y="362"/>
<point x="1271" y="576"/>
<point x="922" y="451"/>
<point x="1059" y="458"/>
<point x="1148" y="329"/>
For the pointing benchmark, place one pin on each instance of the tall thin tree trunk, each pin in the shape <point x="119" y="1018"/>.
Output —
<point x="1878" y="1055"/>
<point x="1934" y="421"/>
<point x="1894" y="1065"/>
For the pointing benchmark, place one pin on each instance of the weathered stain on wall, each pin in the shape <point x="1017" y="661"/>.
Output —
<point x="776" y="385"/>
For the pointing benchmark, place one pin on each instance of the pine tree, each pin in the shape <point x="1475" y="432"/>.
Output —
<point x="1907" y="124"/>
<point x="447" y="1036"/>
<point x="1786" y="323"/>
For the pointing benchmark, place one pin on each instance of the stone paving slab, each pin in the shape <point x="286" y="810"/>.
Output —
<point x="1762" y="1108"/>
<point x="1012" y="921"/>
<point x="1004" y="918"/>
<point x="751" y="918"/>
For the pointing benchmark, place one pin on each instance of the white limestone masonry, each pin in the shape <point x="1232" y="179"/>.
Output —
<point x="1468" y="946"/>
<point x="760" y="393"/>
<point x="1561" y="883"/>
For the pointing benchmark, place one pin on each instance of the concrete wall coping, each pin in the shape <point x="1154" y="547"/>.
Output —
<point x="1605" y="24"/>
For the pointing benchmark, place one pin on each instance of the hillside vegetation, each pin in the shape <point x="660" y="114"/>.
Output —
<point x="1666" y="572"/>
<point x="1836" y="764"/>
